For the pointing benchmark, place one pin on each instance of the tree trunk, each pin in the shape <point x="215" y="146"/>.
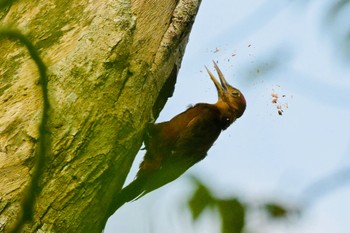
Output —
<point x="112" y="64"/>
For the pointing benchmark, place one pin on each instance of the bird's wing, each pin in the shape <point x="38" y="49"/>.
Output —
<point x="162" y="137"/>
<point x="199" y="134"/>
<point x="188" y="146"/>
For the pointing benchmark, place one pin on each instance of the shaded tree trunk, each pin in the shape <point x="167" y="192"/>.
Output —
<point x="111" y="66"/>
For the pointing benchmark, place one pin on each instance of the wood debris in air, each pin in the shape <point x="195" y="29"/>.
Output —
<point x="279" y="101"/>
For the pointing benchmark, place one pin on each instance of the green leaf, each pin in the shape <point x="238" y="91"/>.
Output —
<point x="276" y="210"/>
<point x="232" y="213"/>
<point x="201" y="199"/>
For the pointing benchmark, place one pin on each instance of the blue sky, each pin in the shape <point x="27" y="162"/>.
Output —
<point x="262" y="47"/>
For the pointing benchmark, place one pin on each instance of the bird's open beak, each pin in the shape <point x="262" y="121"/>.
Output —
<point x="221" y="88"/>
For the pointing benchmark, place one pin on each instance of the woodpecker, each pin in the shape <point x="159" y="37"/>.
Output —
<point x="176" y="145"/>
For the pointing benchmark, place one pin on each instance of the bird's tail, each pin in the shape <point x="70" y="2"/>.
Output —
<point x="129" y="193"/>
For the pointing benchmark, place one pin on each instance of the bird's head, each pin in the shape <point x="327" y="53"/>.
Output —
<point x="230" y="98"/>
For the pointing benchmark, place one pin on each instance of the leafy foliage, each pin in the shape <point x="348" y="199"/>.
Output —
<point x="200" y="200"/>
<point x="276" y="210"/>
<point x="232" y="211"/>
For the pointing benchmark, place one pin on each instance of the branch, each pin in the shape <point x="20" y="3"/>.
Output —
<point x="326" y="185"/>
<point x="43" y="141"/>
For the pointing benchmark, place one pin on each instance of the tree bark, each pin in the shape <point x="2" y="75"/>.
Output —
<point x="112" y="65"/>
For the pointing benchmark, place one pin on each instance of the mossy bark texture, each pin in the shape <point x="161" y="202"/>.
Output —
<point x="107" y="61"/>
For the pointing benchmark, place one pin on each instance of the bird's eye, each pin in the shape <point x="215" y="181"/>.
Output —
<point x="235" y="93"/>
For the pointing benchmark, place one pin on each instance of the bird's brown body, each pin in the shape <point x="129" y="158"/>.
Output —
<point x="176" y="145"/>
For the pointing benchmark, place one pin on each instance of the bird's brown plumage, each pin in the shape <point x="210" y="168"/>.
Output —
<point x="176" y="145"/>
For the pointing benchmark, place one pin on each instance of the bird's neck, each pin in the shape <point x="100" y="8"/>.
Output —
<point x="227" y="114"/>
<point x="223" y="107"/>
